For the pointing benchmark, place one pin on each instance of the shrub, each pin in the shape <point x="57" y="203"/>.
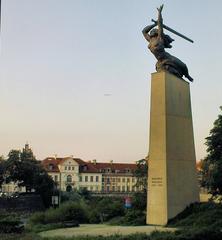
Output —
<point x="38" y="217"/>
<point x="134" y="217"/>
<point x="69" y="211"/>
<point x="199" y="215"/>
<point x="11" y="226"/>
<point x="70" y="196"/>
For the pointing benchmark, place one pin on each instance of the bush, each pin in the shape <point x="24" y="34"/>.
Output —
<point x="70" y="196"/>
<point x="108" y="208"/>
<point x="69" y="211"/>
<point x="9" y="225"/>
<point x="134" y="218"/>
<point x="139" y="200"/>
<point x="188" y="234"/>
<point x="199" y="215"/>
<point x="37" y="218"/>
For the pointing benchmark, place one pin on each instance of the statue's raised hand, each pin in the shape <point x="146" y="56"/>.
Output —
<point x="160" y="8"/>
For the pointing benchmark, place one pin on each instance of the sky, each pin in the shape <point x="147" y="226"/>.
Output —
<point x="75" y="74"/>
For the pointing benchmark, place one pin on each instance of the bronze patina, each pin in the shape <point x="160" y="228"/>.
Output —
<point x="158" y="41"/>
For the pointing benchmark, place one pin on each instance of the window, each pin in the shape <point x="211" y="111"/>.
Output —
<point x="65" y="168"/>
<point x="113" y="188"/>
<point x="133" y="180"/>
<point x="107" y="188"/>
<point x="69" y="168"/>
<point x="128" y="180"/>
<point x="69" y="178"/>
<point x="123" y="179"/>
<point x="118" y="188"/>
<point x="56" y="178"/>
<point x="123" y="188"/>
<point x="51" y="166"/>
<point x="127" y="188"/>
<point x="91" y="178"/>
<point x="86" y="178"/>
<point x="108" y="180"/>
<point x="118" y="179"/>
<point x="80" y="178"/>
<point x="97" y="178"/>
<point x="73" y="168"/>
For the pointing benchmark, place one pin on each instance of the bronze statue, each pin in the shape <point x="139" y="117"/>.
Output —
<point x="158" y="41"/>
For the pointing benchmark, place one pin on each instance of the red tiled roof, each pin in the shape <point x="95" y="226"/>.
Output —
<point x="54" y="162"/>
<point x="120" y="167"/>
<point x="88" y="167"/>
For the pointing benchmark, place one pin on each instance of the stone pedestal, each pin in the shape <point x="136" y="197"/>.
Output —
<point x="172" y="178"/>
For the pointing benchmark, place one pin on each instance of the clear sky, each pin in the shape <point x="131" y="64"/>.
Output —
<point x="75" y="74"/>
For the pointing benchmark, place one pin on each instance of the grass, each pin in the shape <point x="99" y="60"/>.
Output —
<point x="101" y="229"/>
<point x="199" y="215"/>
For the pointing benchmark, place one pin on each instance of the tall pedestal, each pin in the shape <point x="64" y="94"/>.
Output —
<point x="172" y="178"/>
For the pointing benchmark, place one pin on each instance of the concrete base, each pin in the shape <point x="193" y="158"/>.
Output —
<point x="172" y="178"/>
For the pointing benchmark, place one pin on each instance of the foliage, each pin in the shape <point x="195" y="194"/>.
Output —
<point x="139" y="200"/>
<point x="212" y="164"/>
<point x="200" y="215"/>
<point x="134" y="218"/>
<point x="69" y="211"/>
<point x="70" y="196"/>
<point x="10" y="224"/>
<point x="85" y="193"/>
<point x="141" y="174"/>
<point x="2" y="170"/>
<point x="22" y="167"/>
<point x="188" y="234"/>
<point x="105" y="209"/>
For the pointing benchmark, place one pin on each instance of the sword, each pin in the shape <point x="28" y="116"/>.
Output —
<point x="175" y="32"/>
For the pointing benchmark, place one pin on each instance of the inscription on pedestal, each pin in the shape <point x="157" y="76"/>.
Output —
<point x="157" y="182"/>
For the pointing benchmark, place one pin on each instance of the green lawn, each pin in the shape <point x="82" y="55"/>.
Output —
<point x="102" y="229"/>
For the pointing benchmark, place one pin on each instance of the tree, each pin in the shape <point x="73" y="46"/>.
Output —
<point x="212" y="164"/>
<point x="22" y="167"/>
<point x="2" y="168"/>
<point x="141" y="174"/>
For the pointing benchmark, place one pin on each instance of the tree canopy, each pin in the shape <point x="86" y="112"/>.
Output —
<point x="141" y="174"/>
<point x="212" y="164"/>
<point x="23" y="168"/>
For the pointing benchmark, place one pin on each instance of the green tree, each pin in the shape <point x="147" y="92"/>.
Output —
<point x="212" y="164"/>
<point x="22" y="167"/>
<point x="2" y="169"/>
<point x="141" y="174"/>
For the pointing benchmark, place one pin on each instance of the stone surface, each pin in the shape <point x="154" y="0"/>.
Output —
<point x="172" y="179"/>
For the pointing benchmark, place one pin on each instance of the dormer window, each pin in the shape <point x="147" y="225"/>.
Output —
<point x="85" y="168"/>
<point x="51" y="166"/>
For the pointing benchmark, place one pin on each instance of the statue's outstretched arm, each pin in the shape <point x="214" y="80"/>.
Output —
<point x="160" y="22"/>
<point x="146" y="31"/>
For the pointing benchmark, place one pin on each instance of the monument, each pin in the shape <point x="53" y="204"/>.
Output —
<point x="172" y="179"/>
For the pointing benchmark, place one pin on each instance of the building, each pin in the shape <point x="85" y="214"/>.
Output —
<point x="73" y="173"/>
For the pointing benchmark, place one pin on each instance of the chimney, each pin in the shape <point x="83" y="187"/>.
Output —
<point x="94" y="161"/>
<point x="111" y="161"/>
